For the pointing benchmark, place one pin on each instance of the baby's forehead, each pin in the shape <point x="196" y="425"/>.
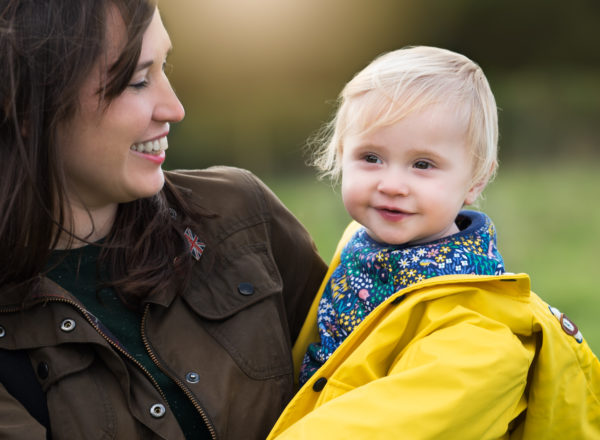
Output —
<point x="373" y="111"/>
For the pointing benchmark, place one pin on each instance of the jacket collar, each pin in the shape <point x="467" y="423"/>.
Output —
<point x="13" y="299"/>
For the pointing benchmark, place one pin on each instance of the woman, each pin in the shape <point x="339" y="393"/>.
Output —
<point x="140" y="304"/>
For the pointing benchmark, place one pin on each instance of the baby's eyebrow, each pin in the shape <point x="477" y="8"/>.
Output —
<point x="430" y="155"/>
<point x="369" y="145"/>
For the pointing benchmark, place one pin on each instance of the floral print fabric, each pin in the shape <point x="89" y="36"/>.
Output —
<point x="370" y="272"/>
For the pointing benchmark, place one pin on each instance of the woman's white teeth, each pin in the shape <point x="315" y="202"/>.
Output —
<point x="155" y="146"/>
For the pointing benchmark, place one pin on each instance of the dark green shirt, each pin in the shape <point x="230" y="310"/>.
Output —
<point x="76" y="271"/>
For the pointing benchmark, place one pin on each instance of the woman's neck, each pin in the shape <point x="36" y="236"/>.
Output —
<point x="90" y="224"/>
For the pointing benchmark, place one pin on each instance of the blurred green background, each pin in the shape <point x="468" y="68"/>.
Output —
<point x="258" y="77"/>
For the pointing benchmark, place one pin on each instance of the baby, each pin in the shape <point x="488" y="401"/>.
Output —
<point x="416" y="331"/>
<point x="415" y="140"/>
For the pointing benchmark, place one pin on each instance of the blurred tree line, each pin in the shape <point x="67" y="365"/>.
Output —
<point x="258" y="77"/>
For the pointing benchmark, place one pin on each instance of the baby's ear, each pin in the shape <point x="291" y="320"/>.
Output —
<point x="475" y="191"/>
<point x="478" y="186"/>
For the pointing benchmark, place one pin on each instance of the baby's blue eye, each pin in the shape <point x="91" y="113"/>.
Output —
<point x="422" y="165"/>
<point x="371" y="158"/>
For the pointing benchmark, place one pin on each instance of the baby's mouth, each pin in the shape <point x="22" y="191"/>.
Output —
<point x="151" y="147"/>
<point x="392" y="210"/>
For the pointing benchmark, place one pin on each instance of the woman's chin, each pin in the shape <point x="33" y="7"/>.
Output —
<point x="151" y="186"/>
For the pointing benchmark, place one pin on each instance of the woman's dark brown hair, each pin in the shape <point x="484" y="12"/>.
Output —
<point x="47" y="49"/>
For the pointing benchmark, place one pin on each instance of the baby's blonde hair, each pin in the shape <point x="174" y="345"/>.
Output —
<point x="407" y="80"/>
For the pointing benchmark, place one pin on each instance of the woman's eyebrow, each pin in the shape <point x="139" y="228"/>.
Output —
<point x="145" y="64"/>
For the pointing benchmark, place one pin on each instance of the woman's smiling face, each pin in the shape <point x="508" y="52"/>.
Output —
<point x="113" y="153"/>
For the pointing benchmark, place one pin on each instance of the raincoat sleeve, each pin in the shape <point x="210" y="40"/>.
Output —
<point x="464" y="380"/>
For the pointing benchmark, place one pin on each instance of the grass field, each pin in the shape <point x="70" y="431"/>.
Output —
<point x="548" y="223"/>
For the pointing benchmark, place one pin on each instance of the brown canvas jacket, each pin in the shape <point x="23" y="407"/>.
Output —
<point x="227" y="340"/>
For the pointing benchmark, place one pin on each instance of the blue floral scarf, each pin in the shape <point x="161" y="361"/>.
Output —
<point x="370" y="272"/>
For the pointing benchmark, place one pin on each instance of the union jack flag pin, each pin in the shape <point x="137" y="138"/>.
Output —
<point x="196" y="247"/>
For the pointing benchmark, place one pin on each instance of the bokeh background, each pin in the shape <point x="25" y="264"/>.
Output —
<point x="259" y="77"/>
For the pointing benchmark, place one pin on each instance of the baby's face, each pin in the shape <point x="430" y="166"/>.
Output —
<point x="406" y="182"/>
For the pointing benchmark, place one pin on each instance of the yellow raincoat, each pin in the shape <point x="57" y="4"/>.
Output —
<point x="453" y="357"/>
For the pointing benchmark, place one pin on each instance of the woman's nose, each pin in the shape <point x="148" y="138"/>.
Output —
<point x="168" y="108"/>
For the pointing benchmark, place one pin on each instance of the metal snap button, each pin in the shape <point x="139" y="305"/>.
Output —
<point x="68" y="325"/>
<point x="157" y="410"/>
<point x="2" y="332"/>
<point x="192" y="377"/>
<point x="246" y="289"/>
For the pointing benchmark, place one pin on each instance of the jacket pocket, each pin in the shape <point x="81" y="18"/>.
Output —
<point x="78" y="392"/>
<point x="241" y="306"/>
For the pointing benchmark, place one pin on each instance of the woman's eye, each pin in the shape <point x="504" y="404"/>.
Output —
<point x="422" y="165"/>
<point x="139" y="85"/>
<point x="371" y="158"/>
